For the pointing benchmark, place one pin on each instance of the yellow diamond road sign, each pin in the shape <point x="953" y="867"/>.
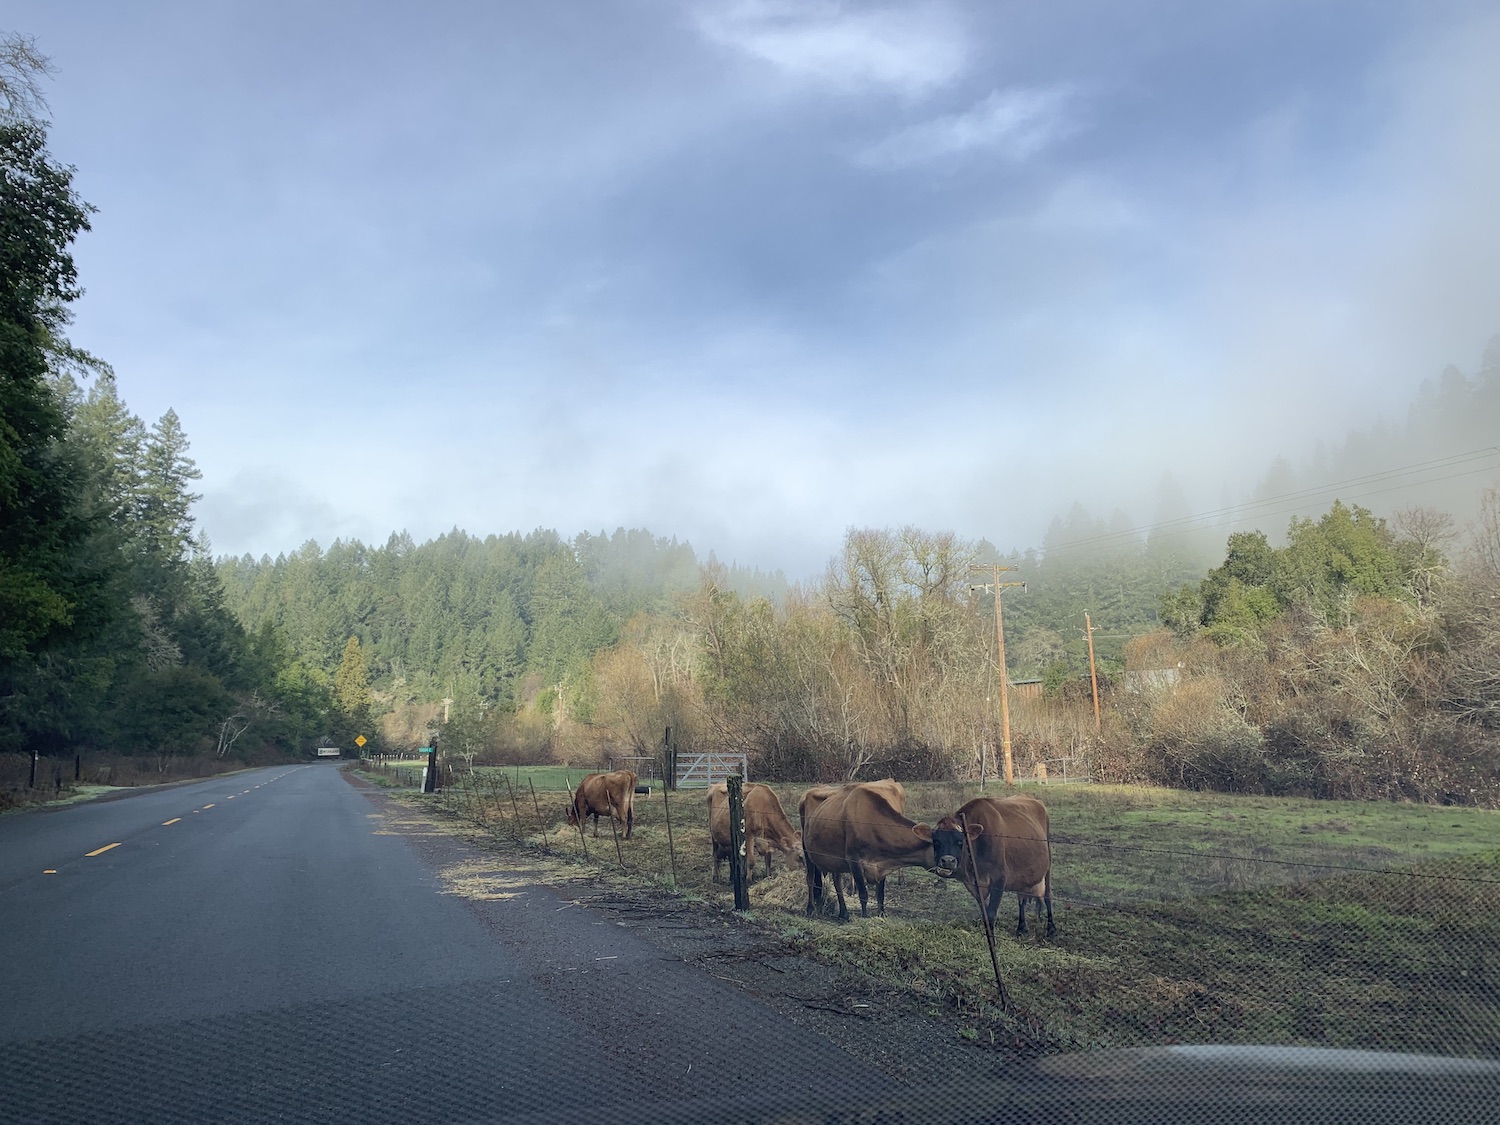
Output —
<point x="360" y="742"/>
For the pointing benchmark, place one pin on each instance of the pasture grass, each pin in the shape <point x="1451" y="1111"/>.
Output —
<point x="1182" y="917"/>
<point x="546" y="779"/>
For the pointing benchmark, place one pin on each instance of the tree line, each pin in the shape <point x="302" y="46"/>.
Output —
<point x="114" y="633"/>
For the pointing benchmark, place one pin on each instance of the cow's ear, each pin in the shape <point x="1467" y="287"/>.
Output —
<point x="975" y="831"/>
<point x="923" y="832"/>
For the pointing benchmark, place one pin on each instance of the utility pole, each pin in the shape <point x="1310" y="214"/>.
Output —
<point x="1088" y="627"/>
<point x="995" y="586"/>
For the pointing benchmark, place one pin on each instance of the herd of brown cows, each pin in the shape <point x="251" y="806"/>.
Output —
<point x="861" y="830"/>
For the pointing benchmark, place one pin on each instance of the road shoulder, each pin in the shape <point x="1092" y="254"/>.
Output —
<point x="885" y="1027"/>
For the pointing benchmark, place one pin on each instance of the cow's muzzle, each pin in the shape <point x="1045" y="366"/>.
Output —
<point x="947" y="866"/>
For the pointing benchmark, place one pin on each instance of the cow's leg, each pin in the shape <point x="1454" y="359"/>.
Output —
<point x="864" y="891"/>
<point x="1021" y="915"/>
<point x="880" y="897"/>
<point x="814" y="887"/>
<point x="1047" y="898"/>
<point x="629" y="818"/>
<point x="768" y="862"/>
<point x="992" y="904"/>
<point x="838" y="889"/>
<point x="596" y="825"/>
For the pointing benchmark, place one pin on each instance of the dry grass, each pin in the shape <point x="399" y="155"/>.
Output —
<point x="1183" y="917"/>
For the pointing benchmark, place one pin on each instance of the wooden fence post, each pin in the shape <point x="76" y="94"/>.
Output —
<point x="984" y="914"/>
<point x="614" y="827"/>
<point x="537" y="805"/>
<point x="737" y="874"/>
<point x="515" y="808"/>
<point x="671" y="846"/>
<point x="573" y="804"/>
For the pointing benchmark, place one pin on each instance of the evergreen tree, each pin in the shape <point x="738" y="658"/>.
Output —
<point x="41" y="518"/>
<point x="352" y="699"/>
<point x="164" y="515"/>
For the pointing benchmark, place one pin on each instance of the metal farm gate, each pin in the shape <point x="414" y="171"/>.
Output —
<point x="699" y="771"/>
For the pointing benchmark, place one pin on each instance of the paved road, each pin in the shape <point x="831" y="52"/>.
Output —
<point x="264" y="948"/>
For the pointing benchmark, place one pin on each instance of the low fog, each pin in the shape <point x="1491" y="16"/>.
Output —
<point x="749" y="274"/>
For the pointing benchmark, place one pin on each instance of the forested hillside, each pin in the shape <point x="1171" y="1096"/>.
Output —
<point x="465" y="614"/>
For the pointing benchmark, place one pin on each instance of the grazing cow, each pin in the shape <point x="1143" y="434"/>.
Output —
<point x="1011" y="843"/>
<point x="766" y="827"/>
<point x="605" y="794"/>
<point x="859" y="829"/>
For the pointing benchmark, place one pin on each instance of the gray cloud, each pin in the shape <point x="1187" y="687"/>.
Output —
<point x="908" y="48"/>
<point x="266" y="513"/>
<point x="1012" y="123"/>
<point x="508" y="268"/>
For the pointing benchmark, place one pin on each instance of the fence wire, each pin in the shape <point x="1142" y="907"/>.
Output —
<point x="1348" y="946"/>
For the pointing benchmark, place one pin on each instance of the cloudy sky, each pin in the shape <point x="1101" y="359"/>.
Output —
<point x="751" y="272"/>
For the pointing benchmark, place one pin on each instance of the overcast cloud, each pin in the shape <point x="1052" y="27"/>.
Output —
<point x="749" y="273"/>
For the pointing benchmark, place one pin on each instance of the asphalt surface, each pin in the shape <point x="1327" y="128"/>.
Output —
<point x="266" y="947"/>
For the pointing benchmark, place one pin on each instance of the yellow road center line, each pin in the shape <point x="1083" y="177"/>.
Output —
<point x="230" y="797"/>
<point x="50" y="871"/>
<point x="174" y="820"/>
<point x="101" y="851"/>
<point x="208" y="806"/>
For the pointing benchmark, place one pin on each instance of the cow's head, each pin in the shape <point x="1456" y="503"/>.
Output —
<point x="573" y="815"/>
<point x="948" y="845"/>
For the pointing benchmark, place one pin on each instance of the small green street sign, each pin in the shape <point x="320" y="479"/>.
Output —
<point x="424" y="749"/>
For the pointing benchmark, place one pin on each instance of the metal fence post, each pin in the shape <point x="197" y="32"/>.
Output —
<point x="738" y="876"/>
<point x="429" y="784"/>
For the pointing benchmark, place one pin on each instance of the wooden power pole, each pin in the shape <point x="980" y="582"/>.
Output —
<point x="995" y="586"/>
<point x="1088" y="627"/>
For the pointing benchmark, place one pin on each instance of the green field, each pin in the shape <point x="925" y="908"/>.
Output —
<point x="545" y="779"/>
<point x="1182" y="917"/>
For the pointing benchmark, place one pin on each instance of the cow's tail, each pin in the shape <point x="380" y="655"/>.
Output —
<point x="1047" y="882"/>
<point x="1047" y="886"/>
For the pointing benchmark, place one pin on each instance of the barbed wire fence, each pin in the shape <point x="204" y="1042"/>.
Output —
<point x="1327" y="946"/>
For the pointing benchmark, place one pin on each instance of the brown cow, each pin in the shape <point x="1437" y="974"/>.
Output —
<point x="1012" y="847"/>
<point x="766" y="827"/>
<point x="607" y="794"/>
<point x="859" y="829"/>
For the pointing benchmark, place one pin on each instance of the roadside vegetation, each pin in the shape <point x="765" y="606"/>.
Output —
<point x="1182" y="917"/>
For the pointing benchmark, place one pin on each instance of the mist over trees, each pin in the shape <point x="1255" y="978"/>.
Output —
<point x="1438" y="456"/>
<point x="492" y="625"/>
